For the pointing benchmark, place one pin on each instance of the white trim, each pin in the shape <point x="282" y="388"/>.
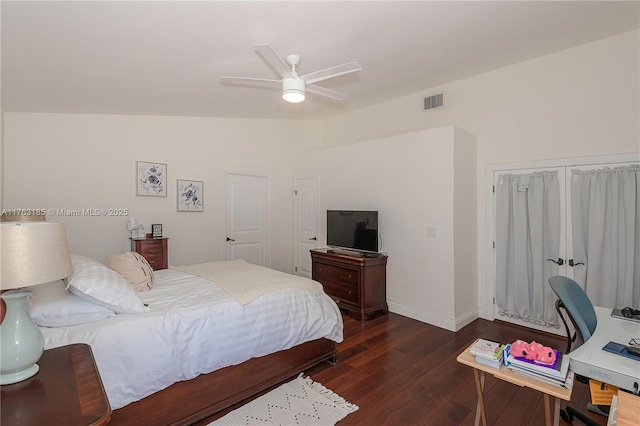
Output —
<point x="451" y="324"/>
<point x="486" y="286"/>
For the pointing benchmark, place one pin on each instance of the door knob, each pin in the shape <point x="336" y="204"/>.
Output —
<point x="312" y="239"/>
<point x="230" y="239"/>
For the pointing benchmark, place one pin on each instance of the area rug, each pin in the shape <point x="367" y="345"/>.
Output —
<point x="299" y="402"/>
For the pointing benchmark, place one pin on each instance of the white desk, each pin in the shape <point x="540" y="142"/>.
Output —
<point x="591" y="361"/>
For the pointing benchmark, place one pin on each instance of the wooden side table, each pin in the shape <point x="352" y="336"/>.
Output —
<point x="155" y="250"/>
<point x="67" y="391"/>
<point x="504" y="373"/>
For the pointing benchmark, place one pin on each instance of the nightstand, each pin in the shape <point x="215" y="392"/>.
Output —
<point x="155" y="250"/>
<point x="67" y="391"/>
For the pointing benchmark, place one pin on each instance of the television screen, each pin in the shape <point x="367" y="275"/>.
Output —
<point x="353" y="229"/>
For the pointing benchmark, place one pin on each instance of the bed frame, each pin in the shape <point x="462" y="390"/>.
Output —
<point x="186" y="402"/>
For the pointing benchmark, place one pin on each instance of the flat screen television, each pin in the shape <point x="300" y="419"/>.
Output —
<point x="353" y="229"/>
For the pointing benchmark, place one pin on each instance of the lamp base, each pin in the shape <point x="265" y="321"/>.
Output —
<point x="18" y="376"/>
<point x="20" y="339"/>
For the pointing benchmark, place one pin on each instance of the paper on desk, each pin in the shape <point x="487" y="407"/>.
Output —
<point x="601" y="393"/>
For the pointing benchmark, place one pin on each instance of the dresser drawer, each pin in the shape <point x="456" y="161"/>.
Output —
<point x="151" y="256"/>
<point x="340" y="291"/>
<point x="151" y="248"/>
<point x="155" y="262"/>
<point x="334" y="273"/>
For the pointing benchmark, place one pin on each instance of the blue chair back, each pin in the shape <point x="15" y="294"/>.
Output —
<point x="576" y="303"/>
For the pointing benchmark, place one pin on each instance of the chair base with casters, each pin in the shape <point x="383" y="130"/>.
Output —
<point x="568" y="413"/>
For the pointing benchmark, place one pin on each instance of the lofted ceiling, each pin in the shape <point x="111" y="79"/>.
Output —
<point x="165" y="57"/>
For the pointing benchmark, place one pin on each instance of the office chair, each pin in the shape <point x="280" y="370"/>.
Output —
<point x="577" y="306"/>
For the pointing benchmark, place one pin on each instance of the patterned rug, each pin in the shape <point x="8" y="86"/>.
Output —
<point x="299" y="402"/>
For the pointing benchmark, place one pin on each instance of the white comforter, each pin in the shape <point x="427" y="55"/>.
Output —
<point x="195" y="327"/>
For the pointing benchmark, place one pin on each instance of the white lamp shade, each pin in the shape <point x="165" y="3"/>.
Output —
<point x="293" y="90"/>
<point x="33" y="253"/>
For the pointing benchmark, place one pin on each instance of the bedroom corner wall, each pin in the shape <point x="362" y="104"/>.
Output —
<point x="580" y="102"/>
<point x="77" y="161"/>
<point x="416" y="181"/>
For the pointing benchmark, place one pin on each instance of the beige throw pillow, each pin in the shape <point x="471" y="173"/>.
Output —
<point x="134" y="267"/>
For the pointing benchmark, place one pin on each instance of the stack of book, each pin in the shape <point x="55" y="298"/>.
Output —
<point x="488" y="352"/>
<point x="557" y="374"/>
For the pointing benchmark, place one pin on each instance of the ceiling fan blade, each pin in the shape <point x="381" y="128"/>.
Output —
<point x="326" y="92"/>
<point x="249" y="80"/>
<point x="274" y="60"/>
<point x="331" y="72"/>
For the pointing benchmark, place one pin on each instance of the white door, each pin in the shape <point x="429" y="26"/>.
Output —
<point x="306" y="224"/>
<point x="246" y="236"/>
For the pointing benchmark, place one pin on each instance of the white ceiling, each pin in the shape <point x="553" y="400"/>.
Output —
<point x="165" y="57"/>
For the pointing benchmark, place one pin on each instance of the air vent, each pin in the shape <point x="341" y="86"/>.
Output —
<point x="434" y="101"/>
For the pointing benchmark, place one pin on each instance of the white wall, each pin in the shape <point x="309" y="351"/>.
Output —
<point x="75" y="161"/>
<point x="412" y="180"/>
<point x="579" y="102"/>
<point x="465" y="202"/>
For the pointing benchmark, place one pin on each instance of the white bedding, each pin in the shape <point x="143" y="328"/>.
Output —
<point x="246" y="282"/>
<point x="194" y="327"/>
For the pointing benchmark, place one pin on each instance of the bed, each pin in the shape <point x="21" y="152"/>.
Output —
<point x="196" y="348"/>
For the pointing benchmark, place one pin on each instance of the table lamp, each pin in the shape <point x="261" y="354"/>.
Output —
<point x="31" y="253"/>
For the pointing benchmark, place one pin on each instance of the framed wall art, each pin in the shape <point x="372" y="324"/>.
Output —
<point x="156" y="230"/>
<point x="190" y="195"/>
<point x="151" y="179"/>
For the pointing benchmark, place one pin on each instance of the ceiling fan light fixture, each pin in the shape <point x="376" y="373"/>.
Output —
<point x="293" y="90"/>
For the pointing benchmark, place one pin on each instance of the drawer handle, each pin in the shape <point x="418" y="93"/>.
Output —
<point x="320" y="269"/>
<point x="349" y="276"/>
<point x="349" y="293"/>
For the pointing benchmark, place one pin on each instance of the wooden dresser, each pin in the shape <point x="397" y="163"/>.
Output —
<point x="155" y="250"/>
<point x="358" y="284"/>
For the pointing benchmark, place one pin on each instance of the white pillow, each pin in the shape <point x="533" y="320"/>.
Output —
<point x="134" y="268"/>
<point x="50" y="305"/>
<point x="96" y="283"/>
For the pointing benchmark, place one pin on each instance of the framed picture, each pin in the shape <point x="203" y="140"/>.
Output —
<point x="156" y="230"/>
<point x="190" y="196"/>
<point x="151" y="179"/>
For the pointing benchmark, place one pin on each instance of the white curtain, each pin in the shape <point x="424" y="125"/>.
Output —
<point x="605" y="214"/>
<point x="527" y="240"/>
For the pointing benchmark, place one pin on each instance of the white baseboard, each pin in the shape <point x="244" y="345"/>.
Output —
<point x="451" y="324"/>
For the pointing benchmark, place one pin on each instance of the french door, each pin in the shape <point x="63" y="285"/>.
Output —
<point x="578" y="221"/>
<point x="530" y="244"/>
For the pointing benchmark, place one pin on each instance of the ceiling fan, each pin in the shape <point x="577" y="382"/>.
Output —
<point x="294" y="87"/>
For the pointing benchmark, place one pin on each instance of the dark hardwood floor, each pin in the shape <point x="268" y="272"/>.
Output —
<point x="400" y="371"/>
